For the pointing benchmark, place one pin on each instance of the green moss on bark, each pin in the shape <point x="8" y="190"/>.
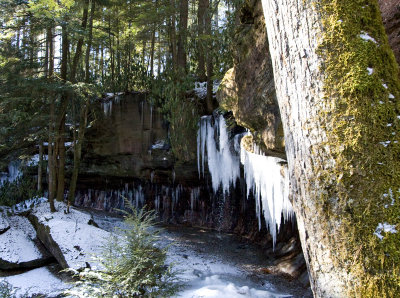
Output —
<point x="363" y="125"/>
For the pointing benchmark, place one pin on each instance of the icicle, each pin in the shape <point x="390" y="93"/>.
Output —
<point x="194" y="197"/>
<point x="267" y="177"/>
<point x="224" y="167"/>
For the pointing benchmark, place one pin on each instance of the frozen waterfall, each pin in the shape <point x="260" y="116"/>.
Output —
<point x="266" y="177"/>
<point x="214" y="146"/>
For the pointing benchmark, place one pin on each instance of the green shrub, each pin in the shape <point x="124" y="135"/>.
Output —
<point x="20" y="189"/>
<point x="130" y="265"/>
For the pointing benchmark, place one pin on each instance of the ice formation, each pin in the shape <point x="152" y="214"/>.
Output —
<point x="13" y="172"/>
<point x="213" y="145"/>
<point x="266" y="177"/>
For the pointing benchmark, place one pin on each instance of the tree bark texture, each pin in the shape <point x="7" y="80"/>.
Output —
<point x="334" y="152"/>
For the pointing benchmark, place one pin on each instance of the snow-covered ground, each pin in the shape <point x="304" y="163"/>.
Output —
<point x="210" y="265"/>
<point x="37" y="281"/>
<point x="213" y="264"/>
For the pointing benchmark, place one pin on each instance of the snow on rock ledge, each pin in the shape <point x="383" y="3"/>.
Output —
<point x="70" y="238"/>
<point x="19" y="247"/>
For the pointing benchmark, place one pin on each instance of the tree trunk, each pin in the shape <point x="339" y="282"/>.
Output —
<point x="201" y="14"/>
<point x="172" y="33"/>
<point x="209" y="60"/>
<point x="153" y="41"/>
<point x="79" y="45"/>
<point x="50" y="153"/>
<point x="59" y="155"/>
<point x="89" y="43"/>
<point x="40" y="168"/>
<point x="78" y="151"/>
<point x="342" y="153"/>
<point x="182" y="38"/>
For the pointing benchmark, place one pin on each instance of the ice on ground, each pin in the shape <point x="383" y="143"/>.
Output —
<point x="72" y="233"/>
<point x="385" y="227"/>
<point x="215" y="286"/>
<point x="37" y="281"/>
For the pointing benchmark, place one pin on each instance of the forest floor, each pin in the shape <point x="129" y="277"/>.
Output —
<point x="211" y="264"/>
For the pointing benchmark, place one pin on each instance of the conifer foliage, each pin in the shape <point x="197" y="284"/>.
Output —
<point x="131" y="263"/>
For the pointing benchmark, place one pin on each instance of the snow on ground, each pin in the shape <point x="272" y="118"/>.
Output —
<point x="37" y="281"/>
<point x="210" y="264"/>
<point x="77" y="239"/>
<point x="16" y="245"/>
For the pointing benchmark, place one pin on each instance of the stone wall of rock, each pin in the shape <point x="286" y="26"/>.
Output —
<point x="248" y="89"/>
<point x="391" y="19"/>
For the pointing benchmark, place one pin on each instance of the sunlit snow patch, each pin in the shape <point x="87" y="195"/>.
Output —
<point x="364" y="35"/>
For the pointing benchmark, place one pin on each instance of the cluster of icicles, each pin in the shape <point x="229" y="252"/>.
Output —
<point x="266" y="177"/>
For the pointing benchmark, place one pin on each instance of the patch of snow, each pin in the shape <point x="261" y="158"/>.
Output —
<point x="200" y="88"/>
<point x="28" y="204"/>
<point x="385" y="144"/>
<point x="385" y="227"/>
<point x="16" y="245"/>
<point x="34" y="160"/>
<point x="160" y="144"/>
<point x="37" y="281"/>
<point x="364" y="35"/>
<point x="370" y="70"/>
<point x="72" y="233"/>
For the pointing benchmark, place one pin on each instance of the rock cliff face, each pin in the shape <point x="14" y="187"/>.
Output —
<point x="127" y="155"/>
<point x="248" y="89"/>
<point x="391" y="19"/>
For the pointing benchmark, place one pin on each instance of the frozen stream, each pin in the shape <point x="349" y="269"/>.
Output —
<point x="212" y="264"/>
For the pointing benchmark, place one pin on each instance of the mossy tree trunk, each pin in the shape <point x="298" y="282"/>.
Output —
<point x="338" y="92"/>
